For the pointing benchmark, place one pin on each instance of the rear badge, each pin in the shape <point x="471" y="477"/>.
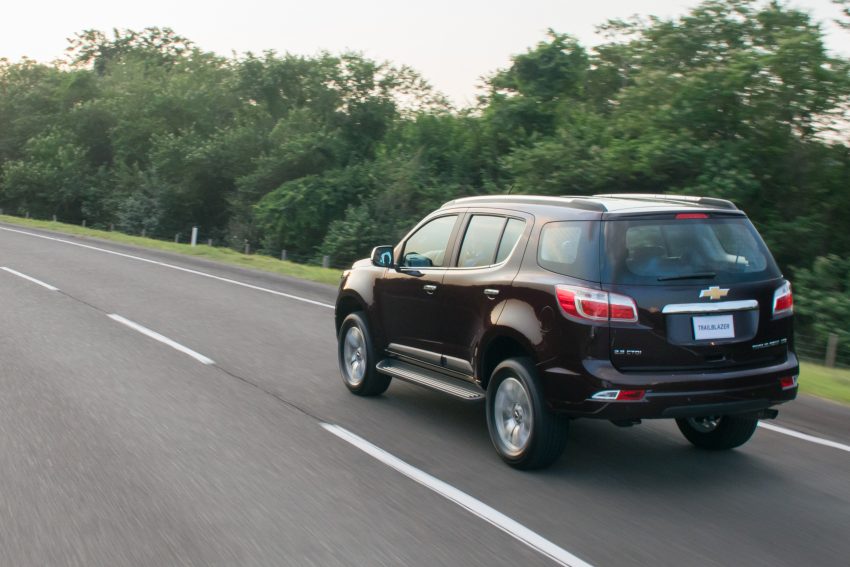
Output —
<point x="628" y="352"/>
<point x="714" y="293"/>
<point x="769" y="344"/>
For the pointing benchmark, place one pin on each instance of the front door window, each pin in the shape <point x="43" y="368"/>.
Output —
<point x="426" y="248"/>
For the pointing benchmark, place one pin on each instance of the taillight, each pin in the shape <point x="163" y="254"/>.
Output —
<point x="783" y="300"/>
<point x="788" y="382"/>
<point x="595" y="305"/>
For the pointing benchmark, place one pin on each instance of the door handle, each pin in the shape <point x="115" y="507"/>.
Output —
<point x="491" y="293"/>
<point x="429" y="288"/>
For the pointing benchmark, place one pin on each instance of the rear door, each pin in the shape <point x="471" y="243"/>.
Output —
<point x="704" y="284"/>
<point x="474" y="287"/>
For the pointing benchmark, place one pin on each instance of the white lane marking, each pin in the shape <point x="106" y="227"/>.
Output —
<point x="163" y="339"/>
<point x="33" y="280"/>
<point x="805" y="437"/>
<point x="173" y="267"/>
<point x="462" y="499"/>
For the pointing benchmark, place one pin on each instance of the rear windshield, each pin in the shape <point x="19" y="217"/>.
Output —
<point x="658" y="252"/>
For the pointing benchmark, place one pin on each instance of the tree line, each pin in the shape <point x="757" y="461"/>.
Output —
<point x="335" y="153"/>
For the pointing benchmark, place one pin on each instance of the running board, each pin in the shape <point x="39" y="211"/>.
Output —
<point x="429" y="379"/>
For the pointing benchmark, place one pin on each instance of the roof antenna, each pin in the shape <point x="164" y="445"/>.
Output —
<point x="511" y="189"/>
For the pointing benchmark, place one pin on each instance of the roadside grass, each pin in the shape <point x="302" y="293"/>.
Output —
<point x="830" y="383"/>
<point x="219" y="254"/>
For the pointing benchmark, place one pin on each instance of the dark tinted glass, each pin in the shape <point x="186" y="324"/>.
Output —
<point x="509" y="238"/>
<point x="427" y="246"/>
<point x="570" y="248"/>
<point x="480" y="241"/>
<point x="657" y="252"/>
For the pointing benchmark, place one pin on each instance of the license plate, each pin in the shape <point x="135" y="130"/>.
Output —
<point x="714" y="327"/>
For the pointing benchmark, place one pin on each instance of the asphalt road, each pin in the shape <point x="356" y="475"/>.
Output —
<point x="116" y="449"/>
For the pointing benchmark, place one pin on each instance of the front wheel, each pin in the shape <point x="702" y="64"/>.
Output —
<point x="718" y="433"/>
<point x="525" y="434"/>
<point x="357" y="358"/>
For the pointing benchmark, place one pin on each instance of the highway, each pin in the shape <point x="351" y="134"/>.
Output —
<point x="164" y="410"/>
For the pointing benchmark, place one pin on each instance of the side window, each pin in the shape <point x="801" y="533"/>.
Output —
<point x="509" y="239"/>
<point x="481" y="241"/>
<point x="427" y="246"/>
<point x="570" y="248"/>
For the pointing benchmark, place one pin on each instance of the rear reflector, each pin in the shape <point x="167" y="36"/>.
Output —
<point x="595" y="305"/>
<point x="619" y="395"/>
<point x="788" y="382"/>
<point x="683" y="216"/>
<point x="783" y="300"/>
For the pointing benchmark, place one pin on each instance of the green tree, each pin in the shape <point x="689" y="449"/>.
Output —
<point x="51" y="178"/>
<point x="822" y="298"/>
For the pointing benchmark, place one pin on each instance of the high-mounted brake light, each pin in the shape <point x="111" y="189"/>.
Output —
<point x="783" y="300"/>
<point x="595" y="305"/>
<point x="682" y="216"/>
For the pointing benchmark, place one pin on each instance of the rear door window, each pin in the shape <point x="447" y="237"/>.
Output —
<point x="481" y="241"/>
<point x="659" y="251"/>
<point x="489" y="239"/>
<point x="513" y="230"/>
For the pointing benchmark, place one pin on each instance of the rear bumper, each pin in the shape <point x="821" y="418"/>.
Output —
<point x="667" y="395"/>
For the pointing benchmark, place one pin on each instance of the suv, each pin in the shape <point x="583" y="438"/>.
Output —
<point x="618" y="307"/>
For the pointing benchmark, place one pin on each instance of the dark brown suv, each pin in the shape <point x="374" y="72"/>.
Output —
<point x="618" y="307"/>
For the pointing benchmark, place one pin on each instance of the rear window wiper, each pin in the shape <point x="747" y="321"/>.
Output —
<point x="697" y="276"/>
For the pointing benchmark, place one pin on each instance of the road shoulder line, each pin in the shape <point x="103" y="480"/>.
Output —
<point x="173" y="267"/>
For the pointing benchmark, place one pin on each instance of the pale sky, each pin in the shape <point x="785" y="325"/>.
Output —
<point x="451" y="43"/>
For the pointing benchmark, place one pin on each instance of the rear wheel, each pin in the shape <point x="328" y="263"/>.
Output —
<point x="718" y="433"/>
<point x="357" y="358"/>
<point x="525" y="434"/>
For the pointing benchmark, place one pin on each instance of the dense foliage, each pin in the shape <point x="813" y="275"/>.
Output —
<point x="333" y="154"/>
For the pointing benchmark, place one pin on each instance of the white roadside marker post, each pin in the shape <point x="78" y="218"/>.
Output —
<point x="194" y="236"/>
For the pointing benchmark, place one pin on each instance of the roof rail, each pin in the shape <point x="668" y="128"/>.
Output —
<point x="705" y="201"/>
<point x="584" y="203"/>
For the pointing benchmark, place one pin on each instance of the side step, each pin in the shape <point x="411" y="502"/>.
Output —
<point x="429" y="379"/>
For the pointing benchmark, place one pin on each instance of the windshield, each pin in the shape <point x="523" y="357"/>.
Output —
<point x="659" y="251"/>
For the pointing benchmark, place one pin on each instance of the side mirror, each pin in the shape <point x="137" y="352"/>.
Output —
<point x="382" y="256"/>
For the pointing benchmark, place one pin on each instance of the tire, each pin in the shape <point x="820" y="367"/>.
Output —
<point x="524" y="432"/>
<point x="718" y="433"/>
<point x="357" y="358"/>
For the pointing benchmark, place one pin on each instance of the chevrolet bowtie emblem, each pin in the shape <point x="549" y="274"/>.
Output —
<point x="713" y="293"/>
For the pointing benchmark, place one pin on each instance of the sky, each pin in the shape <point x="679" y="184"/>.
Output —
<point x="452" y="43"/>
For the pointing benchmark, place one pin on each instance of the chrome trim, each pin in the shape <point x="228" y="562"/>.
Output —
<point x="458" y="365"/>
<point x="743" y="305"/>
<point x="420" y="354"/>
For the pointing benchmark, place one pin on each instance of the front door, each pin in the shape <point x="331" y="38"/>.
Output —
<point x="410" y="296"/>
